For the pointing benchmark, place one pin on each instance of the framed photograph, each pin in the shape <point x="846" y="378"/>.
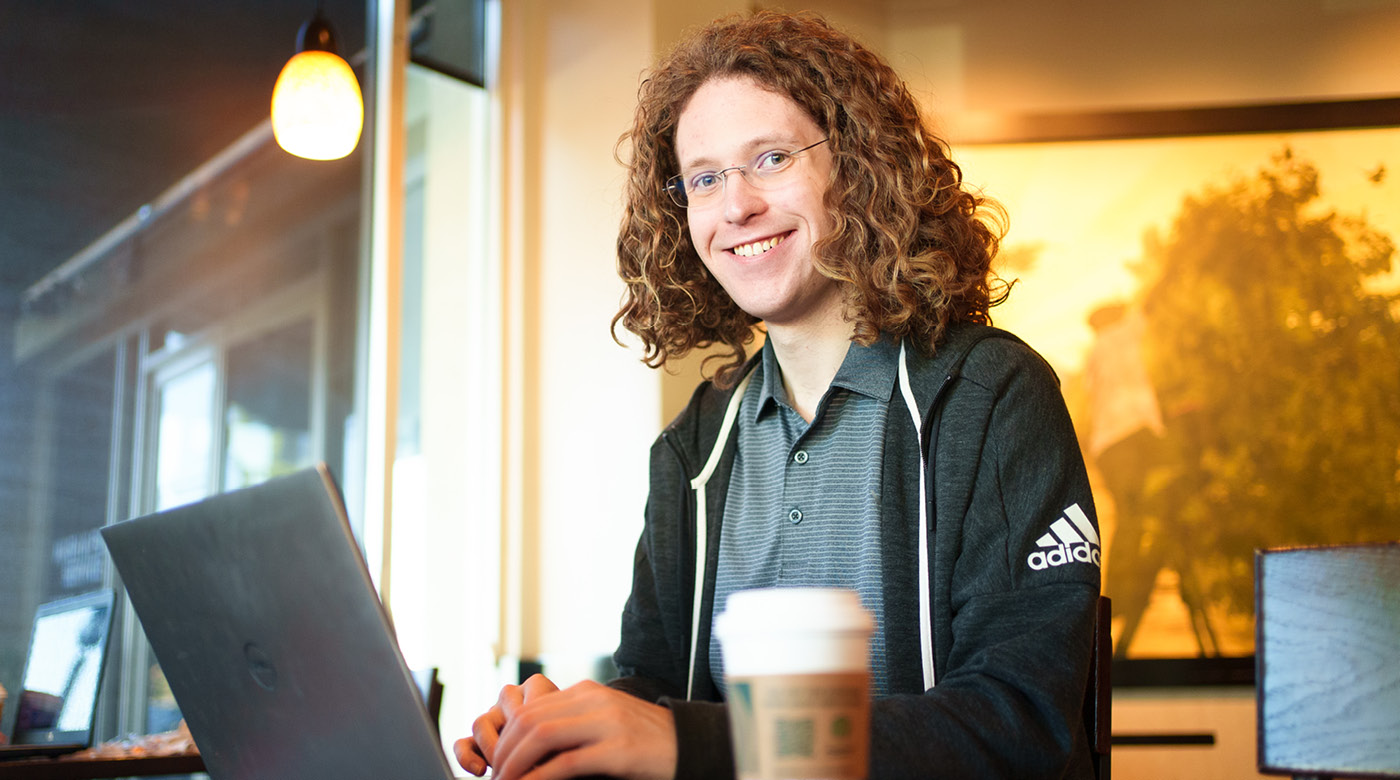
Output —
<point x="1219" y="293"/>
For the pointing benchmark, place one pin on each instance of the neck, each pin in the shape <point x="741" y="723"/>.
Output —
<point x="809" y="357"/>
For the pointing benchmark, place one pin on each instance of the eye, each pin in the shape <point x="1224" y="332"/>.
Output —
<point x="775" y="160"/>
<point x="703" y="182"/>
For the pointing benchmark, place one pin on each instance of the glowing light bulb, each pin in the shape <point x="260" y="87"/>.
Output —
<point x="317" y="109"/>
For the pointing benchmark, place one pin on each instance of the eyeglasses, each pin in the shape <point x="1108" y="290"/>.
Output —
<point x="767" y="171"/>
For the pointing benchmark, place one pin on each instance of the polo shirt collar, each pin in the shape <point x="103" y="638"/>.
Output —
<point x="870" y="371"/>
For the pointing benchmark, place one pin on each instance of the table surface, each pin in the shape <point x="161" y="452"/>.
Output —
<point x="69" y="768"/>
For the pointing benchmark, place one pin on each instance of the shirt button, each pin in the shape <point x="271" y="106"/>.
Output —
<point x="800" y="457"/>
<point x="795" y="516"/>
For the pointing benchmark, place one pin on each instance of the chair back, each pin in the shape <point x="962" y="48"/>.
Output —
<point x="431" y="687"/>
<point x="1098" y="697"/>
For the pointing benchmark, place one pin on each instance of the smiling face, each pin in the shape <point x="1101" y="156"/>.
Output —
<point x="758" y="242"/>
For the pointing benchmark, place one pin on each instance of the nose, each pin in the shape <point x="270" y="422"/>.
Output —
<point x="742" y="200"/>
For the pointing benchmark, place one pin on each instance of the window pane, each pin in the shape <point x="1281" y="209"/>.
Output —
<point x="49" y="545"/>
<point x="185" y="437"/>
<point x="268" y="411"/>
<point x="81" y="456"/>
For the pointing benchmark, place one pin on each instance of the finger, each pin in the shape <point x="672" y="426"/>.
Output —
<point x="486" y="732"/>
<point x="536" y="685"/>
<point x="510" y="700"/>
<point x="469" y="756"/>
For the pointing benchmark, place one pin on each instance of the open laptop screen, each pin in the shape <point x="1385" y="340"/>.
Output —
<point x="67" y="651"/>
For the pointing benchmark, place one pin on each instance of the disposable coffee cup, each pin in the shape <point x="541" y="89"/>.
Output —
<point x="797" y="671"/>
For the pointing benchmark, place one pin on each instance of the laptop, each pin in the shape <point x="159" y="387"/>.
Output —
<point x="261" y="612"/>
<point x="56" y="709"/>
<point x="1327" y="629"/>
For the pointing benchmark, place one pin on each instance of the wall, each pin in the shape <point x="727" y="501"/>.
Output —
<point x="582" y="411"/>
<point x="589" y="497"/>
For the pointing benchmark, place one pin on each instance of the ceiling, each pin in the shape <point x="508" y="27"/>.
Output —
<point x="105" y="104"/>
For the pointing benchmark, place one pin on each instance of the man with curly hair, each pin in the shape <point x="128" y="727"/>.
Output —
<point x="884" y="438"/>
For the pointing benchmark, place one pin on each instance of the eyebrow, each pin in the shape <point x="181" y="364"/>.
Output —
<point x="753" y="146"/>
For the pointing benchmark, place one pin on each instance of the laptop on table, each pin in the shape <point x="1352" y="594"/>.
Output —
<point x="56" y="706"/>
<point x="262" y="614"/>
<point x="1327" y="625"/>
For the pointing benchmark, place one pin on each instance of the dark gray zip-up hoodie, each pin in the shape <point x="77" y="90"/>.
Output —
<point x="1012" y="617"/>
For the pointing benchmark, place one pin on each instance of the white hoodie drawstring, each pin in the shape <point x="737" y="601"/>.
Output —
<point x="702" y="522"/>
<point x="925" y="622"/>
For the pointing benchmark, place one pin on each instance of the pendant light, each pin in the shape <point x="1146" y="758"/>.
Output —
<point x="317" y="110"/>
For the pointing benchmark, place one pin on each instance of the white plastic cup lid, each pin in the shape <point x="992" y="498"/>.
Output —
<point x="793" y="610"/>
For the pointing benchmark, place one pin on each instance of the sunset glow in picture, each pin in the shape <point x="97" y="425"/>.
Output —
<point x="1223" y="312"/>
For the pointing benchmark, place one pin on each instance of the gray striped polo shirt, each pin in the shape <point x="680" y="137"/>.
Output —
<point x="803" y="507"/>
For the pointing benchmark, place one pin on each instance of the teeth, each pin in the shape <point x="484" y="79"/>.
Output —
<point x="757" y="247"/>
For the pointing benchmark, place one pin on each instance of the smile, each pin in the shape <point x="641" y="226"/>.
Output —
<point x="758" y="247"/>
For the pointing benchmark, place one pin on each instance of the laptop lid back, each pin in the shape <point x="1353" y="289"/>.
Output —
<point x="262" y="614"/>
<point x="1327" y="623"/>
<point x="63" y="672"/>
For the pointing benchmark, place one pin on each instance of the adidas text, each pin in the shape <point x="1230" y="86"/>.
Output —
<point x="1072" y="538"/>
<point x="1061" y="555"/>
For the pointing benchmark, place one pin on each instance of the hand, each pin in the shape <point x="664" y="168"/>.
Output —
<point x="477" y="752"/>
<point x="587" y="729"/>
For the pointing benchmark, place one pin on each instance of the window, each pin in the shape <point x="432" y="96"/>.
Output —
<point x="230" y="407"/>
<point x="210" y="357"/>
<point x="214" y="343"/>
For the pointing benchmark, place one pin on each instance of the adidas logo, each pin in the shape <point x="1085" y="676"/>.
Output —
<point x="1071" y="538"/>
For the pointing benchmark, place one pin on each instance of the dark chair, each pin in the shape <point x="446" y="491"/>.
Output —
<point x="431" y="688"/>
<point x="1098" y="697"/>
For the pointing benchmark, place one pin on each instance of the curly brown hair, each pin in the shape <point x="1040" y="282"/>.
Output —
<point x="911" y="244"/>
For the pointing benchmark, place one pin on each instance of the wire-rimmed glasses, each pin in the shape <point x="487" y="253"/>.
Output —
<point x="704" y="188"/>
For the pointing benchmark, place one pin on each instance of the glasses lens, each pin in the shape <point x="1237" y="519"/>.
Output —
<point x="675" y="187"/>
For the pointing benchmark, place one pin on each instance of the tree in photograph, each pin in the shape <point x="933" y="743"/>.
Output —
<point x="1273" y="355"/>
